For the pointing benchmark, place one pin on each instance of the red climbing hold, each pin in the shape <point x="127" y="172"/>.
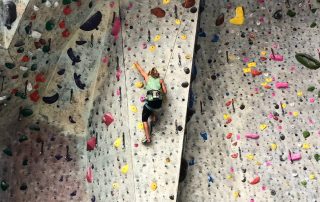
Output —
<point x="255" y="180"/>
<point x="25" y="59"/>
<point x="229" y="103"/>
<point x="14" y="91"/>
<point x="235" y="155"/>
<point x="229" y="135"/>
<point x="67" y="10"/>
<point x="40" y="78"/>
<point x="255" y="72"/>
<point x="34" y="96"/>
<point x="36" y="86"/>
<point x="62" y="24"/>
<point x="91" y="143"/>
<point x="89" y="175"/>
<point x="66" y="33"/>
<point x="107" y="119"/>
<point x="33" y="16"/>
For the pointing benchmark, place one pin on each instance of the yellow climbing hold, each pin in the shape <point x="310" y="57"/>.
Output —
<point x="306" y="146"/>
<point x="250" y="157"/>
<point x="263" y="53"/>
<point x="115" y="185"/>
<point x="188" y="57"/>
<point x="263" y="126"/>
<point x="140" y="126"/>
<point x="226" y="116"/>
<point x="312" y="177"/>
<point x="125" y="169"/>
<point x="247" y="70"/>
<point x="178" y="22"/>
<point x="117" y="143"/>
<point x="299" y="93"/>
<point x="133" y="108"/>
<point x="157" y="38"/>
<point x="295" y="114"/>
<point x="264" y="84"/>
<point x="152" y="48"/>
<point x="183" y="37"/>
<point x="239" y="18"/>
<point x="166" y="1"/>
<point x="284" y="105"/>
<point x="252" y="64"/>
<point x="229" y="177"/>
<point x="153" y="186"/>
<point x="258" y="163"/>
<point x="236" y="194"/>
<point x="268" y="80"/>
<point x="274" y="146"/>
<point x="138" y="84"/>
<point x="168" y="160"/>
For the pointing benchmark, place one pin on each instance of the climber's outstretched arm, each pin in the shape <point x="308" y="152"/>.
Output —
<point x="141" y="71"/>
<point x="163" y="86"/>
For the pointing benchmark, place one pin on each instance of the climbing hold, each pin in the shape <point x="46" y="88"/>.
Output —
<point x="115" y="185"/>
<point x="165" y="1"/>
<point x="263" y="126"/>
<point x="188" y="3"/>
<point x="159" y="12"/>
<point x="252" y="136"/>
<point x="35" y="34"/>
<point x="255" y="180"/>
<point x="133" y="108"/>
<point x="306" y="134"/>
<point x="157" y="38"/>
<point x="73" y="58"/>
<point x="51" y="99"/>
<point x="183" y="36"/>
<point x="91" y="143"/>
<point x="4" y="185"/>
<point x="276" y="57"/>
<point x="277" y="15"/>
<point x="204" y="135"/>
<point x="294" y="157"/>
<point x="138" y="84"/>
<point x="185" y="84"/>
<point x="116" y="27"/>
<point x="78" y="81"/>
<point x="306" y="146"/>
<point x="23" y="138"/>
<point x="250" y="157"/>
<point x="317" y="157"/>
<point x="49" y="25"/>
<point x="308" y="61"/>
<point x="311" y="88"/>
<point x="140" y="126"/>
<point x="89" y="175"/>
<point x="117" y="143"/>
<point x="291" y="13"/>
<point x="93" y="22"/>
<point x="9" y="65"/>
<point x="193" y="10"/>
<point x="65" y="33"/>
<point x="229" y="135"/>
<point x="236" y="194"/>
<point x="153" y="186"/>
<point x="107" y="118"/>
<point x="66" y="2"/>
<point x="125" y="169"/>
<point x="282" y="85"/>
<point x="67" y="10"/>
<point x="152" y="48"/>
<point x="220" y="19"/>
<point x="314" y="24"/>
<point x="7" y="151"/>
<point x="239" y="18"/>
<point x="178" y="22"/>
<point x="40" y="77"/>
<point x="9" y="13"/>
<point x="215" y="38"/>
<point x="25" y="112"/>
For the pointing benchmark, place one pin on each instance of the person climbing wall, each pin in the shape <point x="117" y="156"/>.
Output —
<point x="155" y="89"/>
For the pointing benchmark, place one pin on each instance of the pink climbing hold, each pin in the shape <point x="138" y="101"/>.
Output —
<point x="294" y="157"/>
<point x="142" y="98"/>
<point x="116" y="28"/>
<point x="276" y="57"/>
<point x="311" y="100"/>
<point x="118" y="74"/>
<point x="107" y="119"/>
<point x="105" y="60"/>
<point x="252" y="136"/>
<point x="89" y="175"/>
<point x="91" y="143"/>
<point x="282" y="85"/>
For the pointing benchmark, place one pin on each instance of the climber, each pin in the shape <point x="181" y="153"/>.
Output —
<point x="155" y="89"/>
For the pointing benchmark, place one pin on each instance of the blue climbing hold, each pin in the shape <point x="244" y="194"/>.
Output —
<point x="201" y="33"/>
<point x="215" y="38"/>
<point x="204" y="135"/>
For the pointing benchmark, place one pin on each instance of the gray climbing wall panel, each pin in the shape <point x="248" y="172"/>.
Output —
<point x="238" y="95"/>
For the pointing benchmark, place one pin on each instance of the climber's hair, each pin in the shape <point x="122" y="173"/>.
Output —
<point x="154" y="73"/>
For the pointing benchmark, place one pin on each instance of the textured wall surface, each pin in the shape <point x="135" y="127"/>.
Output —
<point x="239" y="98"/>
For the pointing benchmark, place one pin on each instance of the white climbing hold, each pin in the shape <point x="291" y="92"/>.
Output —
<point x="35" y="8"/>
<point x="35" y="34"/>
<point x="23" y="68"/>
<point x="56" y="4"/>
<point x="29" y="87"/>
<point x="48" y="4"/>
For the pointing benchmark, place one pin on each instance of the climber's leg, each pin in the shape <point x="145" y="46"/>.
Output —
<point x="146" y="113"/>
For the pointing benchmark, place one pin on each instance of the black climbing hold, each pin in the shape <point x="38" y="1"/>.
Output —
<point x="20" y="50"/>
<point x="210" y="97"/>
<point x="25" y="162"/>
<point x="23" y="138"/>
<point x="26" y="112"/>
<point x="34" y="67"/>
<point x="186" y="70"/>
<point x="61" y="71"/>
<point x="179" y="128"/>
<point x="193" y="10"/>
<point x="19" y="44"/>
<point x="7" y="151"/>
<point x="9" y="65"/>
<point x="78" y="81"/>
<point x="10" y="13"/>
<point x="277" y="15"/>
<point x="4" y="185"/>
<point x="73" y="193"/>
<point x="183" y="170"/>
<point x="93" y="199"/>
<point x="73" y="58"/>
<point x="80" y="42"/>
<point x="34" y="127"/>
<point x="220" y="19"/>
<point x="28" y="28"/>
<point x="51" y="99"/>
<point x="58" y="156"/>
<point x="71" y="120"/>
<point x="23" y="187"/>
<point x="242" y="106"/>
<point x="171" y="197"/>
<point x="92" y="23"/>
<point x="185" y="84"/>
<point x="66" y="2"/>
<point x="90" y="4"/>
<point x="273" y="192"/>
<point x="308" y="61"/>
<point x="314" y="24"/>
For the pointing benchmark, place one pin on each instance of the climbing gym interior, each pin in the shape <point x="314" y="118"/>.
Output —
<point x="240" y="120"/>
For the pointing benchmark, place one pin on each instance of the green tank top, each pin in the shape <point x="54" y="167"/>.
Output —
<point x="153" y="84"/>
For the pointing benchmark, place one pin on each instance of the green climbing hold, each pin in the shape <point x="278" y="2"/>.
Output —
<point x="34" y="127"/>
<point x="308" y="61"/>
<point x="26" y="112"/>
<point x="314" y="24"/>
<point x="66" y="2"/>
<point x="304" y="183"/>
<point x="49" y="25"/>
<point x="25" y="75"/>
<point x="9" y="65"/>
<point x="317" y="157"/>
<point x="23" y="138"/>
<point x="306" y="134"/>
<point x="46" y="48"/>
<point x="4" y="185"/>
<point x="291" y="13"/>
<point x="34" y="67"/>
<point x="7" y="151"/>
<point x="311" y="88"/>
<point x="21" y="95"/>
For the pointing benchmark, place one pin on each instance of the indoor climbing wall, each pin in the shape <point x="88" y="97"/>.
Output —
<point x="255" y="132"/>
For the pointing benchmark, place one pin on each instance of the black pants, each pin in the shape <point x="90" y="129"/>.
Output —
<point x="146" y="112"/>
